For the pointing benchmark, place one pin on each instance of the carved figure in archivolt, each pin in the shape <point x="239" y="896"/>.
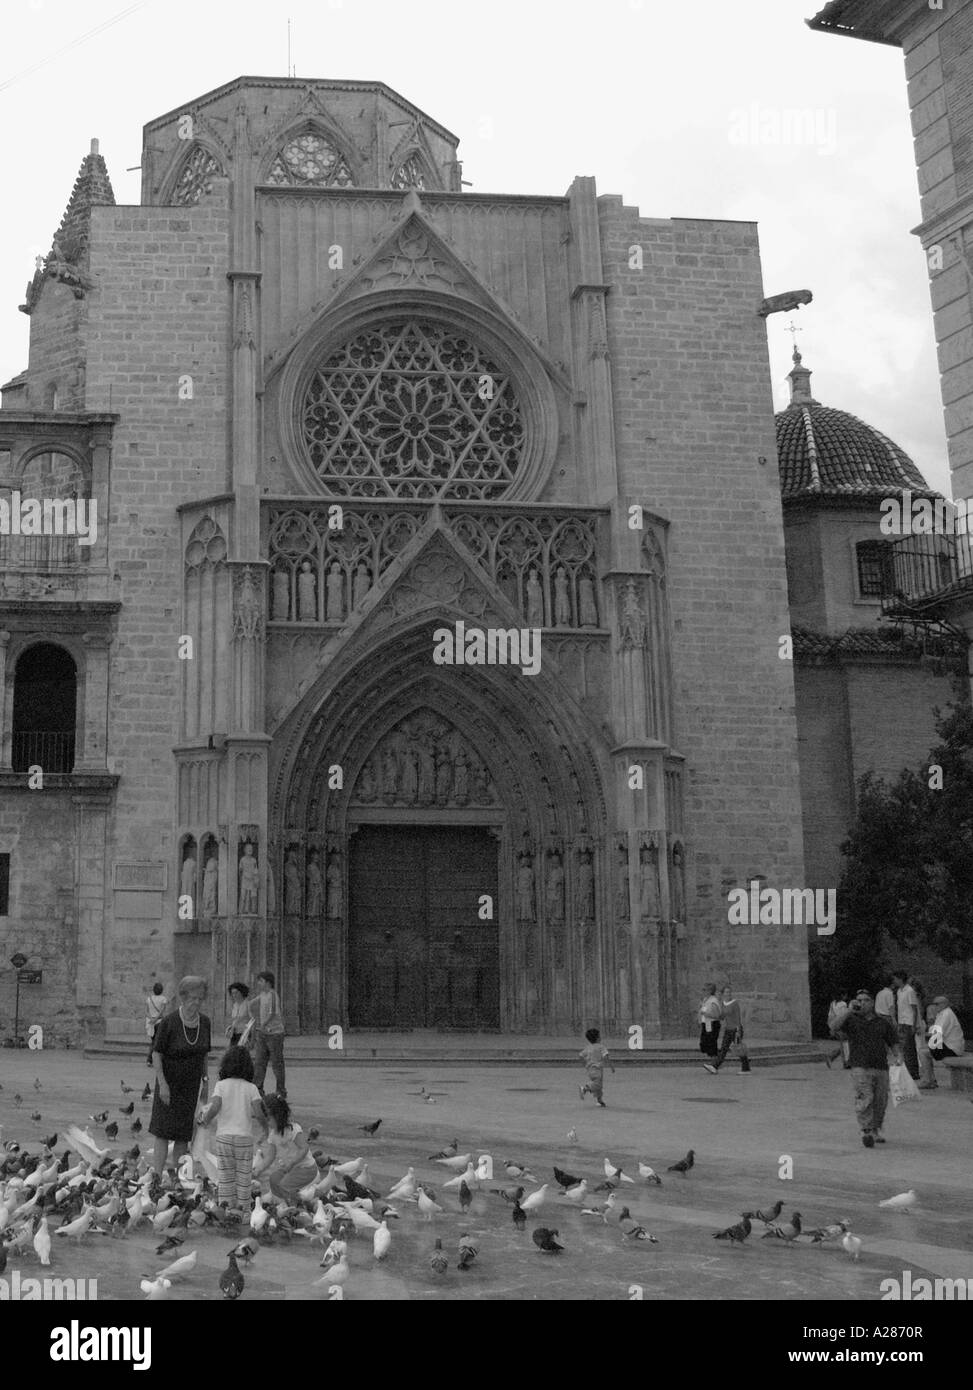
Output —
<point x="187" y="877"/>
<point x="249" y="882"/>
<point x="211" y="880"/>
<point x="281" y="595"/>
<point x="307" y="608"/>
<point x="586" y="886"/>
<point x="424" y="761"/>
<point x="554" y="890"/>
<point x="334" y="593"/>
<point x="248" y="610"/>
<point x="586" y="602"/>
<point x="525" y="890"/>
<point x="649" y="897"/>
<point x="292" y="884"/>
<point x="623" y="901"/>
<point x="333" y="885"/>
<point x="677" y="886"/>
<point x="363" y="582"/>
<point x="562" y="604"/>
<point x="535" y="601"/>
<point x="632" y="625"/>
<point x="315" y="885"/>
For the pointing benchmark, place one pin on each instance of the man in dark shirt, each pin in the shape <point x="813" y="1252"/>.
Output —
<point x="870" y="1038"/>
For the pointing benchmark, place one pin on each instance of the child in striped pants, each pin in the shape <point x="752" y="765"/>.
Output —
<point x="235" y="1104"/>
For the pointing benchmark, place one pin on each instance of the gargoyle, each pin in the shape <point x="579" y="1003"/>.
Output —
<point x="782" y="303"/>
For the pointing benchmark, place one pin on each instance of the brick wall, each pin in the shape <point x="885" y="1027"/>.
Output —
<point x="694" y="416"/>
<point x="57" y="338"/>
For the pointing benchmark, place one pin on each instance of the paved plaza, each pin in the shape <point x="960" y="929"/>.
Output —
<point x="739" y="1126"/>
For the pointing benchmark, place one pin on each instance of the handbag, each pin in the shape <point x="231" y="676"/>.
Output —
<point x="901" y="1085"/>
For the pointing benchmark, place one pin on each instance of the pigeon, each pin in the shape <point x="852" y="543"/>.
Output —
<point x="438" y="1262"/>
<point x="184" y="1265"/>
<point x="381" y="1241"/>
<point x="518" y="1171"/>
<point x="336" y="1276"/>
<point x="147" y="1093"/>
<point x="164" y="1219"/>
<point x="832" y="1232"/>
<point x="462" y="1179"/>
<point x="51" y="1141"/>
<point x="535" y="1201"/>
<point x="155" y="1289"/>
<point x="405" y="1189"/>
<point x="789" y="1232"/>
<point x="127" y="1090"/>
<point x="450" y="1152"/>
<point x="767" y="1217"/>
<point x="426" y="1204"/>
<point x="36" y="1116"/>
<point x="509" y="1194"/>
<point x="128" y="1109"/>
<point x="37" y="1083"/>
<point x="18" y="1099"/>
<point x="547" y="1241"/>
<point x="902" y="1202"/>
<point x="565" y="1179"/>
<point x="572" y="1136"/>
<point x="259" y="1216"/>
<point x="852" y="1244"/>
<point x="737" y="1234"/>
<point x="231" y="1280"/>
<point x="616" y="1174"/>
<point x="42" y="1242"/>
<point x="370" y="1129"/>
<point x="111" y="1131"/>
<point x="467" y="1252"/>
<point x="637" y="1232"/>
<point x="79" y="1226"/>
<point x="170" y="1243"/>
<point x="649" y="1174"/>
<point x="245" y="1251"/>
<point x="351" y="1169"/>
<point x="457" y="1162"/>
<point x="465" y="1196"/>
<point x="518" y="1216"/>
<point x="576" y="1193"/>
<point x="334" y="1252"/>
<point x="137" y="1126"/>
<point x="684" y="1164"/>
<point x="603" y="1211"/>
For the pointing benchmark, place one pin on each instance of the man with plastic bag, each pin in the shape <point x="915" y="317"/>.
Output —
<point x="870" y="1038"/>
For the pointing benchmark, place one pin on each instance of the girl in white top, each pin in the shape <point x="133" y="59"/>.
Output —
<point x="236" y="1104"/>
<point x="287" y="1165"/>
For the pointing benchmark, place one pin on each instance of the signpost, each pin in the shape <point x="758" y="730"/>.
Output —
<point x="24" y="977"/>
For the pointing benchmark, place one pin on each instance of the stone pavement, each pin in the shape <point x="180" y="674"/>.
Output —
<point x="739" y="1126"/>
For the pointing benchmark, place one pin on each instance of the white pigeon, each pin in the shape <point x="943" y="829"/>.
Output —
<point x="155" y="1289"/>
<point x="360" y="1219"/>
<point x="535" y="1201"/>
<point x="576" y="1193"/>
<point x="308" y="1194"/>
<point x="572" y="1136"/>
<point x="335" y="1251"/>
<point x="322" y="1217"/>
<point x="42" y="1242"/>
<point x="184" y="1265"/>
<point x="616" y="1174"/>
<point x="336" y="1275"/>
<point x="852" y="1244"/>
<point x="902" y="1202"/>
<point x="258" y="1217"/>
<point x="426" y="1204"/>
<point x="79" y="1226"/>
<point x="350" y="1169"/>
<point x="405" y="1189"/>
<point x="83" y="1144"/>
<point x="648" y="1173"/>
<point x="164" y="1219"/>
<point x="458" y="1162"/>
<point x="381" y="1241"/>
<point x="469" y="1177"/>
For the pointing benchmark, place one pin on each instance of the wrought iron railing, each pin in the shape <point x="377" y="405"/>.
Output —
<point x="42" y="553"/>
<point x="920" y="571"/>
<point x="51" y="751"/>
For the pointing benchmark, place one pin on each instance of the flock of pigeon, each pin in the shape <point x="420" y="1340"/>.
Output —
<point x="89" y="1190"/>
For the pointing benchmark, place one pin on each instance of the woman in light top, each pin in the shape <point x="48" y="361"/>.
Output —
<point x="287" y="1165"/>
<point x="241" y="1023"/>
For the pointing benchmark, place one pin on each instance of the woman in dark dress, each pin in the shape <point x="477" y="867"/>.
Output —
<point x="179" y="1055"/>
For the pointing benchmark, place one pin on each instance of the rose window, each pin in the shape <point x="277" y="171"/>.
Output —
<point x="413" y="409"/>
<point x="311" y="161"/>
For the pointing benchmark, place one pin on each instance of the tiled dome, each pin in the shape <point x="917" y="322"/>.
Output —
<point x="823" y="452"/>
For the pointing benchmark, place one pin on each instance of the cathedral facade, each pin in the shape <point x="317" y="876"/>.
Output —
<point x="431" y="650"/>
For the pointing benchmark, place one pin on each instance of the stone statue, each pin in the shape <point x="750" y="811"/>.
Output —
<point x="249" y="882"/>
<point x="586" y="886"/>
<point x="334" y="593"/>
<point x="678" y="886"/>
<point x="562" y="604"/>
<point x="281" y="595"/>
<point x="410" y="775"/>
<point x="444" y="776"/>
<point x="525" y="891"/>
<point x="586" y="597"/>
<point x="535" y="601"/>
<point x="292" y="884"/>
<point x="623" y="899"/>
<point x="555" y="889"/>
<point x="333" y="880"/>
<point x="649" y="888"/>
<point x="363" y="582"/>
<point x="187" y="877"/>
<point x="632" y="618"/>
<point x="211" y="879"/>
<point x="461" y="778"/>
<point x="481" y="779"/>
<point x="307" y="608"/>
<point x="390" y="774"/>
<point x="426" y="756"/>
<point x="314" y="885"/>
<point x="366" y="783"/>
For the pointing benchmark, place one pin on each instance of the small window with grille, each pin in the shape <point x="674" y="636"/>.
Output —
<point x="871" y="561"/>
<point x="4" y="884"/>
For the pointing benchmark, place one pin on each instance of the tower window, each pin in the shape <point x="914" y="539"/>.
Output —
<point x="44" y="714"/>
<point x="871" y="558"/>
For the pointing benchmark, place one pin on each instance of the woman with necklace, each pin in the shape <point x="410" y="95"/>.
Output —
<point x="179" y="1053"/>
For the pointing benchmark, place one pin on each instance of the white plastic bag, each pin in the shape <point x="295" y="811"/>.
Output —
<point x="203" y="1151"/>
<point x="902" y="1086"/>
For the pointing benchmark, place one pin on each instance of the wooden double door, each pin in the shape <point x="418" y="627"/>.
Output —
<point x="419" y="956"/>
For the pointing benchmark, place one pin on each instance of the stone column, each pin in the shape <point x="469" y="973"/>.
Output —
<point x="6" y="706"/>
<point x="92" y="752"/>
<point x="591" y="338"/>
<point x="92" y="811"/>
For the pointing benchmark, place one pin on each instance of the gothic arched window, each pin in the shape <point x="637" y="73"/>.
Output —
<point x="410" y="174"/>
<point x="196" y="177"/>
<point x="409" y="408"/>
<point x="44" y="713"/>
<point x="310" y="161"/>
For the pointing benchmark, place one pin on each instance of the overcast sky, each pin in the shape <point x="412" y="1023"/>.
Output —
<point x="674" y="105"/>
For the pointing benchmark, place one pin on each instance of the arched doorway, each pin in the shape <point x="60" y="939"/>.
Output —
<point x="44" y="709"/>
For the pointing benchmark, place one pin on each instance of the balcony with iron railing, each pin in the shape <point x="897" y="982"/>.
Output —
<point x="53" y="751"/>
<point x="923" y="576"/>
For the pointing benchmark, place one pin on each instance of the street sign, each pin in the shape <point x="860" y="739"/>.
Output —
<point x="29" y="977"/>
